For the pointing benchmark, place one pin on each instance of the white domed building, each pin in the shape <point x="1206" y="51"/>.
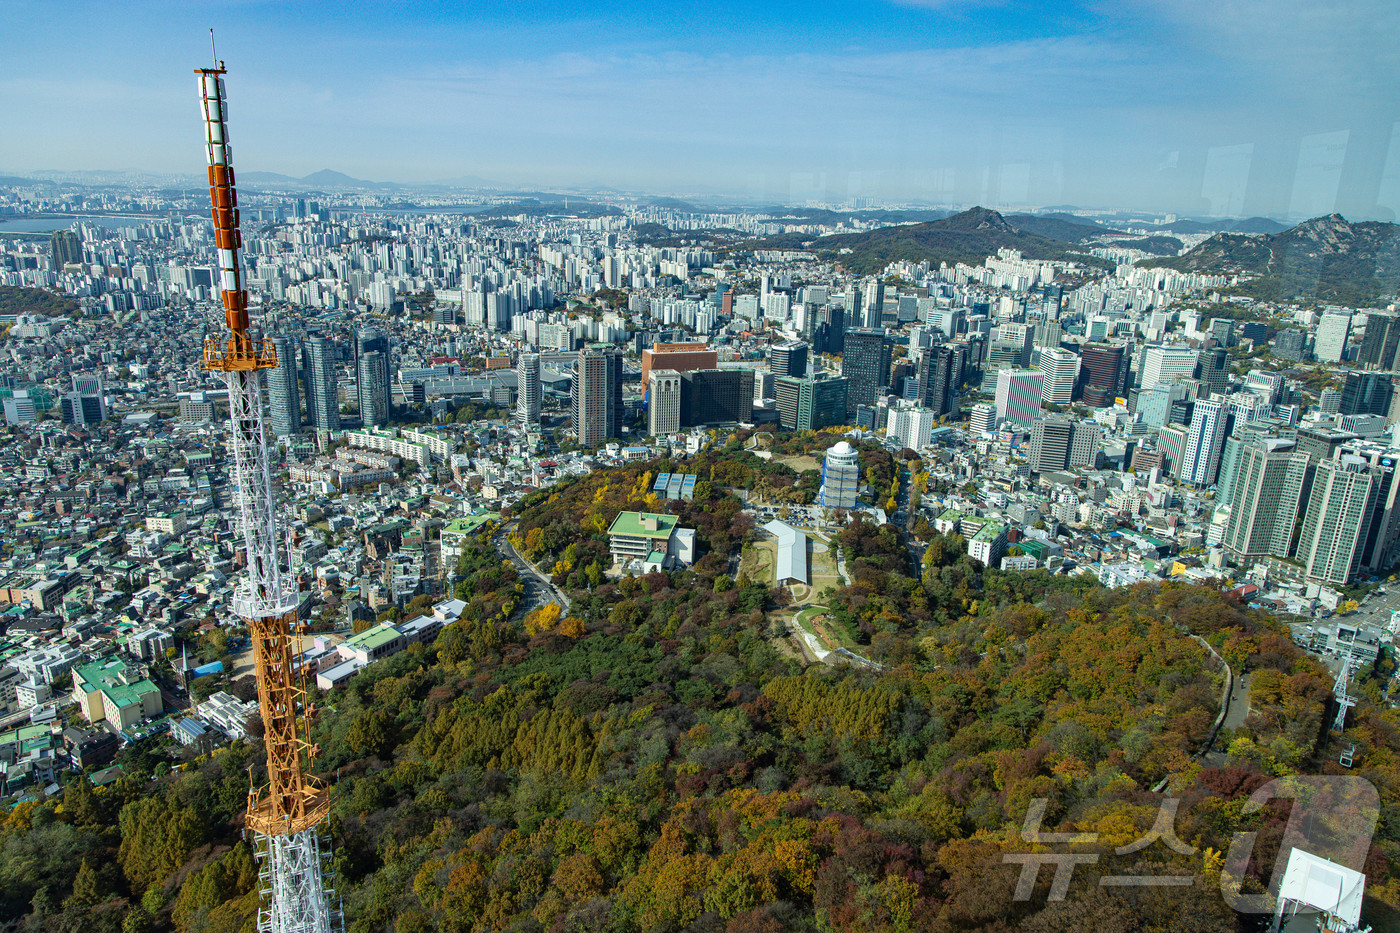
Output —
<point x="840" y="477"/>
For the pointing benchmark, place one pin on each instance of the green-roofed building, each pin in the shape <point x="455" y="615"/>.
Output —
<point x="456" y="534"/>
<point x="988" y="544"/>
<point x="108" y="690"/>
<point x="634" y="535"/>
<point x="948" y="522"/>
<point x="373" y="643"/>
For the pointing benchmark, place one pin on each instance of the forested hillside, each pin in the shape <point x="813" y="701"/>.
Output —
<point x="1326" y="259"/>
<point x="655" y="759"/>
<point x="20" y="300"/>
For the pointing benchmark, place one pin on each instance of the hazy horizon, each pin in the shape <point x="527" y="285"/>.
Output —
<point x="1251" y="108"/>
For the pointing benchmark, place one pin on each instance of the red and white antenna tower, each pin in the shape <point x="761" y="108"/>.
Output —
<point x="286" y="813"/>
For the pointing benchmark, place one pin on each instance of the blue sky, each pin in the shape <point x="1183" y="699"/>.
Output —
<point x="1272" y="107"/>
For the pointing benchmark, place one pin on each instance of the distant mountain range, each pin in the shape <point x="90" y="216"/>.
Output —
<point x="1248" y="225"/>
<point x="325" y="178"/>
<point x="1326" y="258"/>
<point x="329" y="178"/>
<point x="967" y="237"/>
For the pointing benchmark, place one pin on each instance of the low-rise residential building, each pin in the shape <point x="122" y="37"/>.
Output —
<point x="988" y="544"/>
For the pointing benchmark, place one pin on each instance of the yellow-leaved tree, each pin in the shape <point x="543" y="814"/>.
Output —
<point x="542" y="619"/>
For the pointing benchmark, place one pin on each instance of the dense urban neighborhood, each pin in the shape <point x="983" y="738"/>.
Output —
<point x="575" y="491"/>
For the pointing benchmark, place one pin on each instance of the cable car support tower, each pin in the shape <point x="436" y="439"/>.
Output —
<point x="287" y="812"/>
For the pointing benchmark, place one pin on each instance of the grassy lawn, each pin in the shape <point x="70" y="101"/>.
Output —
<point x="800" y="464"/>
<point x="757" y="562"/>
<point x="813" y="619"/>
<point x="823" y="569"/>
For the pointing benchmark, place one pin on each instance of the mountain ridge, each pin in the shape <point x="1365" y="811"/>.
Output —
<point x="967" y="237"/>
<point x="1326" y="258"/>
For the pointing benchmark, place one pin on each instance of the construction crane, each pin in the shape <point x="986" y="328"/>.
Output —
<point x="286" y="813"/>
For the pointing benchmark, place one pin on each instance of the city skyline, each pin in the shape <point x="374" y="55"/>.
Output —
<point x="1186" y="107"/>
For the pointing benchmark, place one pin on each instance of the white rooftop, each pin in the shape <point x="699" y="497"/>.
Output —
<point x="792" y="551"/>
<point x="1315" y="882"/>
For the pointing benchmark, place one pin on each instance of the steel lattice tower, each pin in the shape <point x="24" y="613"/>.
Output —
<point x="286" y="813"/>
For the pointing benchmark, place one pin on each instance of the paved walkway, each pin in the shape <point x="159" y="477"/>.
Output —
<point x="1234" y="707"/>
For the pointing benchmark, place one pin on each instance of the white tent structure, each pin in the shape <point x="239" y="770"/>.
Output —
<point x="1313" y="883"/>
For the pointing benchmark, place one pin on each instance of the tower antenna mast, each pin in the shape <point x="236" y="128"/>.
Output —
<point x="285" y="814"/>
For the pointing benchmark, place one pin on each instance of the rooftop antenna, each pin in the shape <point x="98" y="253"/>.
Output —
<point x="213" y="51"/>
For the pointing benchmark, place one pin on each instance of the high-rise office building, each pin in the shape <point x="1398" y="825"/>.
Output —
<point x="810" y="404"/>
<point x="716" y="396"/>
<point x="682" y="357"/>
<point x="1101" y="367"/>
<point x="1061" y="370"/>
<point x="938" y="378"/>
<point x="1085" y="444"/>
<point x="664" y="402"/>
<point x="1181" y="410"/>
<point x="1320" y="441"/>
<point x="597" y="395"/>
<point x="1205" y="439"/>
<point x="322" y="401"/>
<point x="77" y="408"/>
<point x="1380" y="341"/>
<point x="1006" y="355"/>
<point x="1333" y="335"/>
<point x="1171" y="443"/>
<point x="1048" y="334"/>
<point x="86" y="404"/>
<point x="1154" y="405"/>
<point x="831" y="332"/>
<point x="1241" y="437"/>
<point x="1018" y="395"/>
<point x="1223" y="330"/>
<point x="1215" y="370"/>
<point x="840" y="476"/>
<point x="1058" y="443"/>
<point x="1291" y="344"/>
<point x="983" y="419"/>
<point x="1267" y="490"/>
<point x="529" y="390"/>
<point x="788" y="358"/>
<point x="21" y="408"/>
<point x="865" y="364"/>
<point x="1018" y="335"/>
<point x="88" y="384"/>
<point x="1165" y="364"/>
<point x="872" y="302"/>
<point x="1050" y="441"/>
<point x="1338" y="519"/>
<point x="1366" y="394"/>
<point x="1379" y="544"/>
<point x="372" y="376"/>
<point x="912" y="424"/>
<point x="373" y="381"/>
<point x="284" y="399"/>
<point x="66" y="246"/>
